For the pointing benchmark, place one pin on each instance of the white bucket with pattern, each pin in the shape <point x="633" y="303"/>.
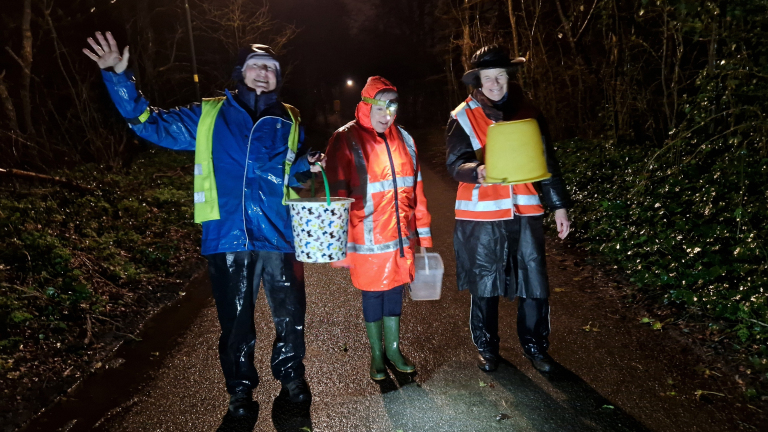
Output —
<point x="320" y="228"/>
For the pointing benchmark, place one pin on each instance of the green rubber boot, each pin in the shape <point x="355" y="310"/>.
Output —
<point x="378" y="370"/>
<point x="392" y="345"/>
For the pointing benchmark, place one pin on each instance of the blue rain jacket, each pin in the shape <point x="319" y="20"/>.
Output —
<point x="248" y="162"/>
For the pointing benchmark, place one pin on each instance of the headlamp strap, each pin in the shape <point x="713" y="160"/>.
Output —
<point x="390" y="105"/>
<point x="373" y="101"/>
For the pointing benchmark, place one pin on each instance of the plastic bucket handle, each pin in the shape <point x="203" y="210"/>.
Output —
<point x="426" y="260"/>
<point x="325" y="183"/>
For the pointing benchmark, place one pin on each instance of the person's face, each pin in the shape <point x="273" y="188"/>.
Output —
<point x="380" y="119"/>
<point x="260" y="75"/>
<point x="494" y="83"/>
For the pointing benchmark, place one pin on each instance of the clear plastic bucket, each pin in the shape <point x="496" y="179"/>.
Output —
<point x="428" y="281"/>
<point x="320" y="227"/>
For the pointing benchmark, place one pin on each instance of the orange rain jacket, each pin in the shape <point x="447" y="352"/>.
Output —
<point x="389" y="216"/>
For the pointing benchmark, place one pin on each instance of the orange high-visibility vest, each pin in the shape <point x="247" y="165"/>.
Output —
<point x="389" y="216"/>
<point x="491" y="201"/>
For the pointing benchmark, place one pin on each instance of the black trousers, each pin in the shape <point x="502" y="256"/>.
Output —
<point x="235" y="277"/>
<point x="378" y="304"/>
<point x="532" y="324"/>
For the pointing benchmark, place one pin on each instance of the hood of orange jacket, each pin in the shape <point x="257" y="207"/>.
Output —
<point x="374" y="85"/>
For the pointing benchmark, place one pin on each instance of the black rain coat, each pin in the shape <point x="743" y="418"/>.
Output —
<point x="503" y="257"/>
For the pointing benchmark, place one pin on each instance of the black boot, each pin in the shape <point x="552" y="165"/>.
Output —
<point x="298" y="390"/>
<point x="484" y="326"/>
<point x="533" y="331"/>
<point x="487" y="361"/>
<point x="241" y="403"/>
<point x="541" y="361"/>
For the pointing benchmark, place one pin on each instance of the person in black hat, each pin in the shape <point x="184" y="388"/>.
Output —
<point x="248" y="155"/>
<point x="499" y="235"/>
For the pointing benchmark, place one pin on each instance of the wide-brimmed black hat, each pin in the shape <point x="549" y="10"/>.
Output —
<point x="489" y="57"/>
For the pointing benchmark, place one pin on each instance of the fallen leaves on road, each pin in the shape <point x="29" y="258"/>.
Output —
<point x="704" y="371"/>
<point x="482" y="384"/>
<point x="589" y="327"/>
<point x="699" y="393"/>
<point x="559" y="289"/>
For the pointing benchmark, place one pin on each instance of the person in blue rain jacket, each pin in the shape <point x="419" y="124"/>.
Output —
<point x="247" y="237"/>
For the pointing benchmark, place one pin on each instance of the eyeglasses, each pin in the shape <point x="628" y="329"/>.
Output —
<point x="389" y="105"/>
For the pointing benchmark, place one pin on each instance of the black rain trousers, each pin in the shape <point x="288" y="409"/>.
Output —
<point x="235" y="278"/>
<point x="532" y="324"/>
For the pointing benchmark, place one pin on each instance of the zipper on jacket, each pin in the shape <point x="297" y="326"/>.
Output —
<point x="245" y="175"/>
<point x="397" y="205"/>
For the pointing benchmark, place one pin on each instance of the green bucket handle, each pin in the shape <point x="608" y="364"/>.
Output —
<point x="325" y="182"/>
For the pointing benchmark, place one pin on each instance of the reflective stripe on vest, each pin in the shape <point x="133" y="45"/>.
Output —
<point x="495" y="201"/>
<point x="206" y="195"/>
<point x="372" y="187"/>
<point x="293" y="147"/>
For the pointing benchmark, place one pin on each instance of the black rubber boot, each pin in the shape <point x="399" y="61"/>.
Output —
<point x="392" y="345"/>
<point x="298" y="390"/>
<point x="240" y="403"/>
<point x="542" y="362"/>
<point x="533" y="331"/>
<point x="378" y="370"/>
<point x="487" y="361"/>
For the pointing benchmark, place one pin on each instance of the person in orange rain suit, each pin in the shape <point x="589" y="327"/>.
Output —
<point x="375" y="162"/>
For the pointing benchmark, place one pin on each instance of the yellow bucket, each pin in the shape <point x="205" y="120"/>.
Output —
<point x="514" y="153"/>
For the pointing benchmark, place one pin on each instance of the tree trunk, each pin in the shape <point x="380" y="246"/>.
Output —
<point x="579" y="63"/>
<point x="466" y="41"/>
<point x="515" y="47"/>
<point x="10" y="111"/>
<point x="26" y="58"/>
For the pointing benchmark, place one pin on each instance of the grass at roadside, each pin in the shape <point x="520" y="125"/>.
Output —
<point x="80" y="270"/>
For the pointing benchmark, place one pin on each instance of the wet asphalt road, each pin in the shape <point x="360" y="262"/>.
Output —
<point x="622" y="377"/>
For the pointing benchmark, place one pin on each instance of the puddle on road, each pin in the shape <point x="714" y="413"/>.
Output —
<point x="131" y="366"/>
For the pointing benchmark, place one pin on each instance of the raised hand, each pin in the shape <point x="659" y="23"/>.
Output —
<point x="107" y="53"/>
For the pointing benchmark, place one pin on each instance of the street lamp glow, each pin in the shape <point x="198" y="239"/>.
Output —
<point x="349" y="83"/>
